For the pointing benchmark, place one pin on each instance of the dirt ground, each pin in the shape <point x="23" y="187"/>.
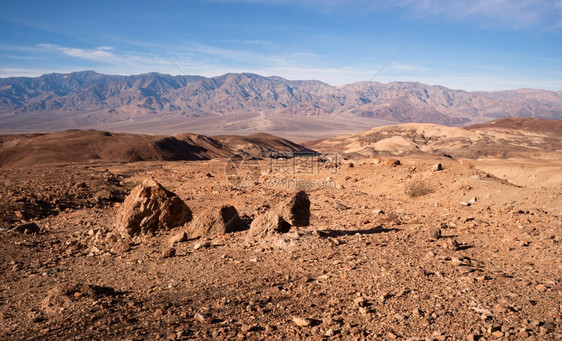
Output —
<point x="392" y="252"/>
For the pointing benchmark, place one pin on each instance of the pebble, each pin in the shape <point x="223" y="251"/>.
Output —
<point x="204" y="245"/>
<point x="360" y="301"/>
<point x="434" y="233"/>
<point x="437" y="167"/>
<point x="201" y="317"/>
<point x="301" y="322"/>
<point x="549" y="326"/>
<point x="541" y="288"/>
<point x="178" y="238"/>
<point x="341" y="207"/>
<point x="247" y="328"/>
<point x="497" y="334"/>
<point x="28" y="228"/>
<point x="169" y="253"/>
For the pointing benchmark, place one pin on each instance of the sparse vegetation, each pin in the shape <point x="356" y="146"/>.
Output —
<point x="418" y="189"/>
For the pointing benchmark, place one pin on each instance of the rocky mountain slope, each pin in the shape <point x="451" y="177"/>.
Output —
<point x="88" y="99"/>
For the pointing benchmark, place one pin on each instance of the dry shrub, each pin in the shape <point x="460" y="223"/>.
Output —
<point x="418" y="188"/>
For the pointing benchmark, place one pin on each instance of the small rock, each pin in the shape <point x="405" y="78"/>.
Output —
<point x="178" y="238"/>
<point x="81" y="185"/>
<point x="360" y="301"/>
<point x="388" y="162"/>
<point x="535" y="323"/>
<point x="437" y="167"/>
<point x="434" y="233"/>
<point x="464" y="203"/>
<point x="171" y="252"/>
<point x="124" y="246"/>
<point x="248" y="328"/>
<point x="549" y="326"/>
<point x="103" y="195"/>
<point x="29" y="228"/>
<point x="541" y="288"/>
<point x="364" y="310"/>
<point x="451" y="244"/>
<point x="301" y="322"/>
<point x="340" y="207"/>
<point x="203" y="245"/>
<point x="471" y="337"/>
<point x="497" y="334"/>
<point x="391" y="336"/>
<point x="201" y="317"/>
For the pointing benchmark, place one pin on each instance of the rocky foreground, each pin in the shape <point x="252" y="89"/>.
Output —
<point x="416" y="248"/>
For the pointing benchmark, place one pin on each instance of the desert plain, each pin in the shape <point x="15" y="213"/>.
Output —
<point x="413" y="232"/>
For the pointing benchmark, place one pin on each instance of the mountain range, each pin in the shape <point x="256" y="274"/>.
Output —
<point x="246" y="103"/>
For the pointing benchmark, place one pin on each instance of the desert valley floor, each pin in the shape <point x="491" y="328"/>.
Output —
<point x="409" y="251"/>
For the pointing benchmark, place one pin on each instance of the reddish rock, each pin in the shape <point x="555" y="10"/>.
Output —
<point x="151" y="208"/>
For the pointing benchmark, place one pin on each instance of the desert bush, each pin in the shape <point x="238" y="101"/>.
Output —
<point x="418" y="188"/>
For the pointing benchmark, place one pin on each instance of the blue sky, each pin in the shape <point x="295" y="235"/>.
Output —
<point x="471" y="45"/>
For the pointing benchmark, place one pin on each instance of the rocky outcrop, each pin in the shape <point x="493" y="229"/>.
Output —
<point x="215" y="221"/>
<point x="293" y="212"/>
<point x="151" y="208"/>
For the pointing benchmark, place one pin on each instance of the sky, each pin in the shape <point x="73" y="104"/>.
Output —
<point x="471" y="45"/>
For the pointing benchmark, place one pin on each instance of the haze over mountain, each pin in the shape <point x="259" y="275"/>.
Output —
<point x="248" y="103"/>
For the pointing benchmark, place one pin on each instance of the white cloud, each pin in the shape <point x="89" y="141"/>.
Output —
<point x="100" y="54"/>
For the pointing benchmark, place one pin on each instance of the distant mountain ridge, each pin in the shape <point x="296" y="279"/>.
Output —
<point x="88" y="99"/>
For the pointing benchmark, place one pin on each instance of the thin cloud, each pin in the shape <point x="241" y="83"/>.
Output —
<point x="508" y="13"/>
<point x="546" y="14"/>
<point x="99" y="54"/>
<point x="246" y="41"/>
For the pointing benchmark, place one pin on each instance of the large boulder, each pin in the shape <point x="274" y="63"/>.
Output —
<point x="214" y="221"/>
<point x="294" y="211"/>
<point x="150" y="208"/>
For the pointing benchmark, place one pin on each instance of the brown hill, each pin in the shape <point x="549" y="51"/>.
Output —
<point x="91" y="145"/>
<point x="549" y="127"/>
<point x="262" y="144"/>
<point x="527" y="139"/>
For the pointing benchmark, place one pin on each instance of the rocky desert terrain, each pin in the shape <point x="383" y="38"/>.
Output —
<point x="413" y="232"/>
